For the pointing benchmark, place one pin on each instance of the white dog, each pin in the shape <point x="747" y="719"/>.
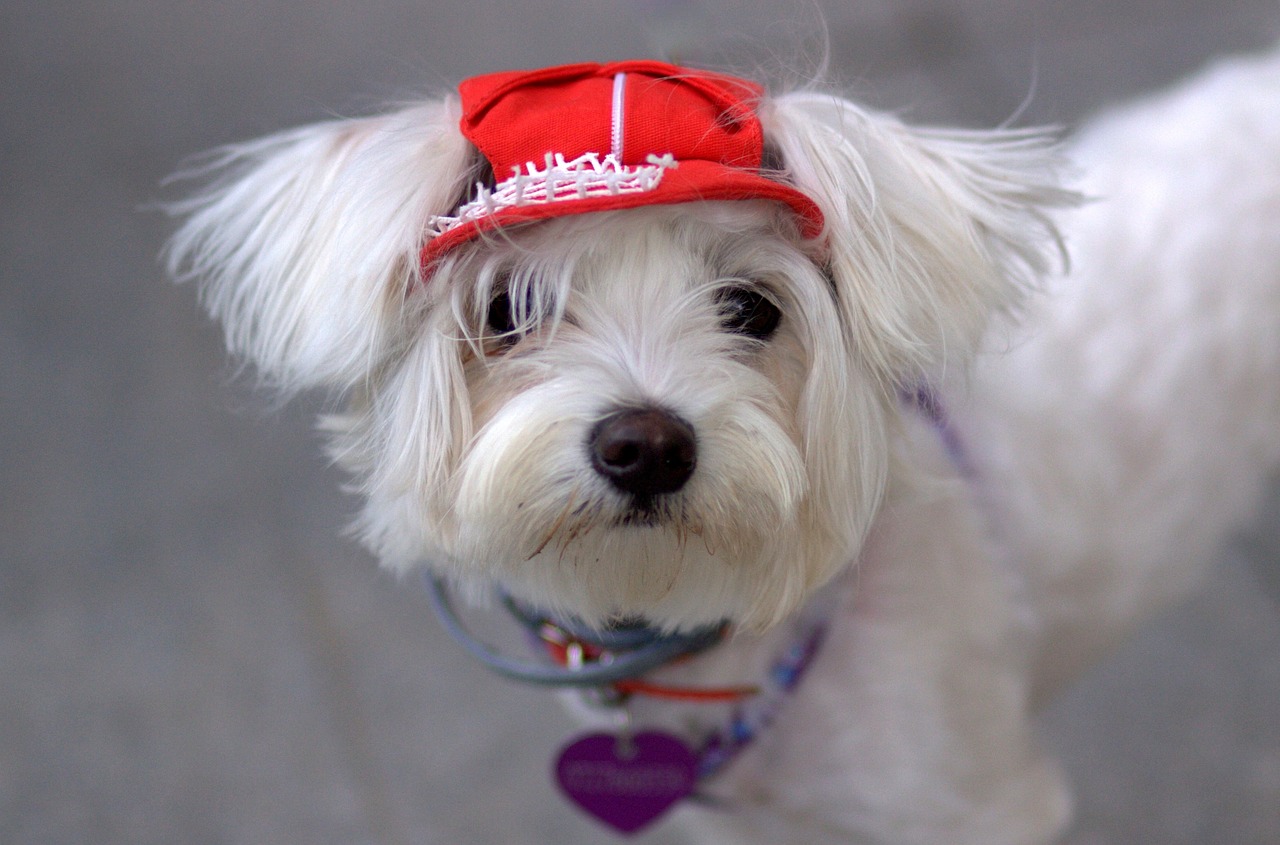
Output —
<point x="690" y="353"/>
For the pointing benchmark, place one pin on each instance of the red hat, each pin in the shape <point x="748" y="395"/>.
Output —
<point x="590" y="137"/>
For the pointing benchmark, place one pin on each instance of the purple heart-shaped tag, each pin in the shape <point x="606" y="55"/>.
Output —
<point x="626" y="782"/>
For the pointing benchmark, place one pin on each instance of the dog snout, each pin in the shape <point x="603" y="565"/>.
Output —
<point x="644" y="451"/>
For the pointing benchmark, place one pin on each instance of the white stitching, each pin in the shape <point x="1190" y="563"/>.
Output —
<point x="584" y="177"/>
<point x="618" y="116"/>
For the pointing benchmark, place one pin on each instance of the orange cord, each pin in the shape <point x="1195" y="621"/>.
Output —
<point x="559" y="652"/>
<point x="711" y="695"/>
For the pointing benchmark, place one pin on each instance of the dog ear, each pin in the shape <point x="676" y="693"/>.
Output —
<point x="306" y="242"/>
<point x="928" y="233"/>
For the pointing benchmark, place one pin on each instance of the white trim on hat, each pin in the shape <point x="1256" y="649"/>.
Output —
<point x="584" y="177"/>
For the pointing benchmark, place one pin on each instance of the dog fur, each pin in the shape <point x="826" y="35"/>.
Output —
<point x="1119" y="412"/>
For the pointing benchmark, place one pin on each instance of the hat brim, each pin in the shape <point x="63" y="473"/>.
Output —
<point x="691" y="181"/>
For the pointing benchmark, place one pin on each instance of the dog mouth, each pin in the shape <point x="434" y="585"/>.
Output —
<point x="643" y="517"/>
<point x="653" y="512"/>
<point x="665" y="513"/>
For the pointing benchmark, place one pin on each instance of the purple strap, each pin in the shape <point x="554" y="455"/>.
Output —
<point x="925" y="400"/>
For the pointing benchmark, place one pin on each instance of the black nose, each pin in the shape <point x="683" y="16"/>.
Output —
<point x="644" y="451"/>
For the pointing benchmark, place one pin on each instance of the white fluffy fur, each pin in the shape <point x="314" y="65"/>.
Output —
<point x="1120" y="420"/>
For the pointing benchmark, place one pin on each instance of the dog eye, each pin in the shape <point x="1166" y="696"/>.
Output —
<point x="500" y="319"/>
<point x="507" y="321"/>
<point x="748" y="312"/>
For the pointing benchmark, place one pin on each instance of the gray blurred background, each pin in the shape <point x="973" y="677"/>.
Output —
<point x="190" y="649"/>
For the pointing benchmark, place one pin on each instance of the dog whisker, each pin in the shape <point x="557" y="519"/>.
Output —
<point x="555" y="526"/>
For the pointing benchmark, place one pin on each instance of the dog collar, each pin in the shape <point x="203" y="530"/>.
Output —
<point x="628" y="779"/>
<point x="584" y="657"/>
<point x="582" y="138"/>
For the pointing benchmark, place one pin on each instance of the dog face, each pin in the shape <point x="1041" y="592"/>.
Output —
<point x="677" y="412"/>
<point x="642" y="410"/>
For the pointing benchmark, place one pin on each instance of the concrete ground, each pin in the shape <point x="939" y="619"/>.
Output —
<point x="190" y="649"/>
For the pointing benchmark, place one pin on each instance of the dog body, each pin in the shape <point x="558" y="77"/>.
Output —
<point x="1114" y="420"/>
<point x="1132" y="422"/>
